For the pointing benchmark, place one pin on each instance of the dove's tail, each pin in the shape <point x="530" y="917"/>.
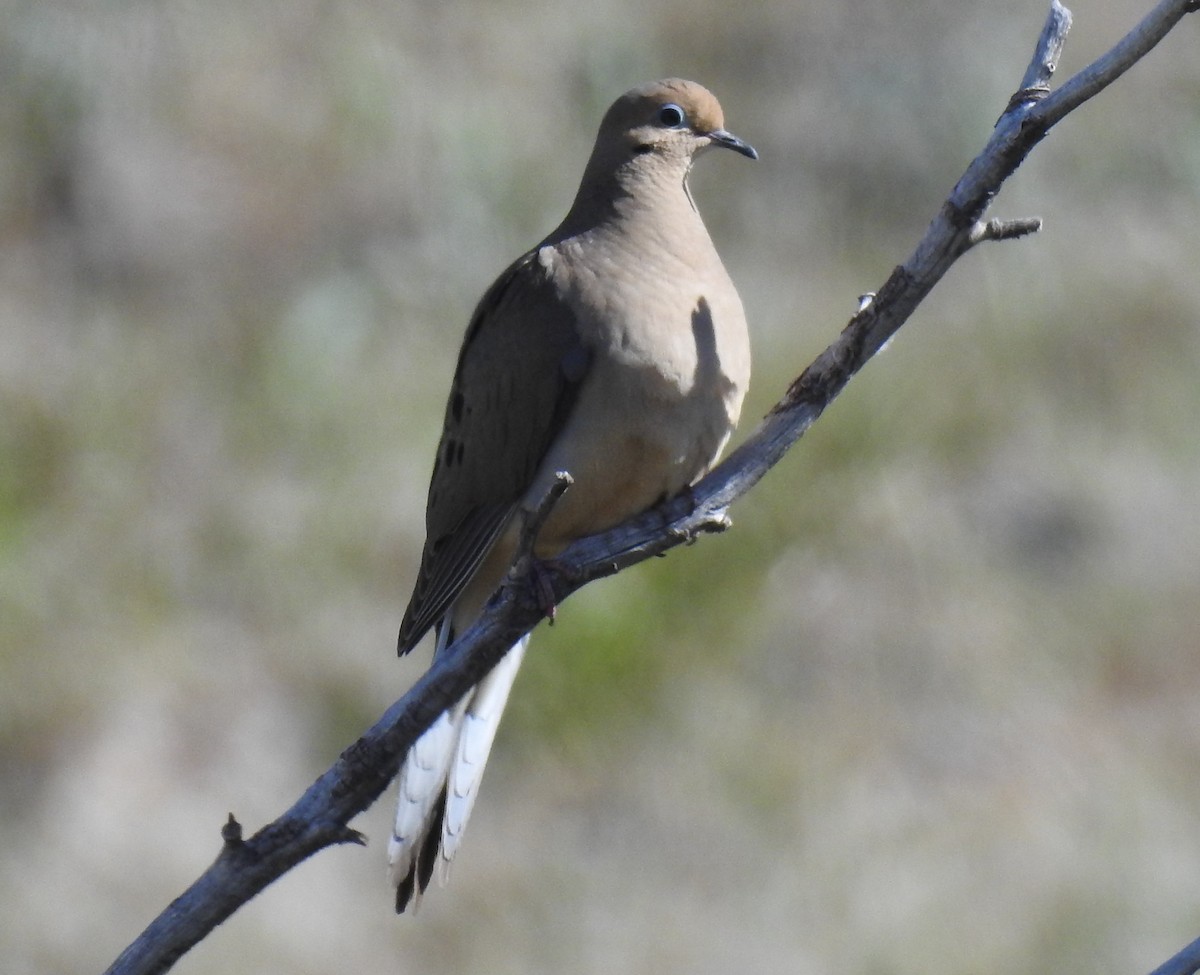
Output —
<point x="440" y="780"/>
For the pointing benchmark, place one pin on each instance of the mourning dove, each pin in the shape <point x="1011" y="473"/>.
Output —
<point x="615" y="350"/>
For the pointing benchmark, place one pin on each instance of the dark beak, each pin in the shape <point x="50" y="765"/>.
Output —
<point x="720" y="137"/>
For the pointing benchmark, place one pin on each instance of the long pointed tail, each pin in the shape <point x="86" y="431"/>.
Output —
<point x="440" y="779"/>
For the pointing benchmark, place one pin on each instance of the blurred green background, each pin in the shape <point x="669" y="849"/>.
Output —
<point x="932" y="705"/>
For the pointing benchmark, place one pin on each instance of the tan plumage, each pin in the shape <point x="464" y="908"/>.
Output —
<point x="616" y="350"/>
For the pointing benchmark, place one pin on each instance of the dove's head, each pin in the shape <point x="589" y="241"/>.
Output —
<point x="662" y="125"/>
<point x="644" y="150"/>
<point x="671" y="117"/>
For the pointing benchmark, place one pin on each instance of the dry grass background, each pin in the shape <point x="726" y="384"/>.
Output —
<point x="931" y="706"/>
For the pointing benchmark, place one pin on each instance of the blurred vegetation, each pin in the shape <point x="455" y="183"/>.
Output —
<point x="929" y="707"/>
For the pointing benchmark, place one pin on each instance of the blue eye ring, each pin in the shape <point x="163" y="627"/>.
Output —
<point x="672" y="116"/>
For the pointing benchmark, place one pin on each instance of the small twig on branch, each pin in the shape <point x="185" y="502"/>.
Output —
<point x="231" y="832"/>
<point x="320" y="817"/>
<point x="537" y="517"/>
<point x="1046" y="52"/>
<point x="525" y="564"/>
<point x="996" y="229"/>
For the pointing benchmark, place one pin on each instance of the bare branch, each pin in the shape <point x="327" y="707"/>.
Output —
<point x="1047" y="51"/>
<point x="1185" y="962"/>
<point x="1109" y="67"/>
<point x="321" y="816"/>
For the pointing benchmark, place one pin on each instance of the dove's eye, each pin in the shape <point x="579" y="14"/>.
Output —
<point x="672" y="116"/>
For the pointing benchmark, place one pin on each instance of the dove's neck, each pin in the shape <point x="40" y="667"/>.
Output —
<point x="649" y="201"/>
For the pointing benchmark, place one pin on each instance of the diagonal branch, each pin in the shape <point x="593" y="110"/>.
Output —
<point x="321" y="816"/>
<point x="1110" y="66"/>
<point x="1185" y="962"/>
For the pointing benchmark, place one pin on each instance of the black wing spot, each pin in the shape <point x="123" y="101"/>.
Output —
<point x="456" y="407"/>
<point x="575" y="364"/>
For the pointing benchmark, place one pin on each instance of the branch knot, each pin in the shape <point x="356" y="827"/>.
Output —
<point x="1034" y="93"/>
